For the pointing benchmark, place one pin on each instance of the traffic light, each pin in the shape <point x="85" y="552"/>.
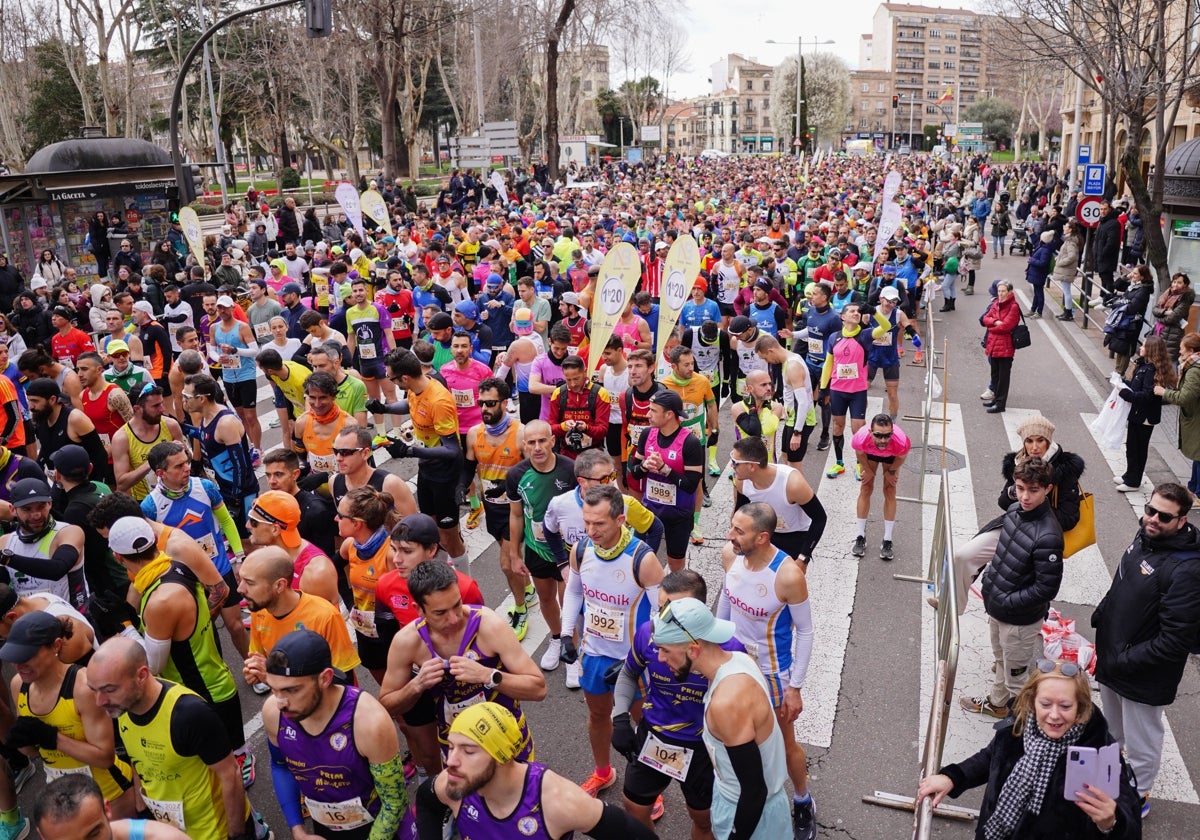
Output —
<point x="192" y="185"/>
<point x="895" y="101"/>
<point x="318" y="18"/>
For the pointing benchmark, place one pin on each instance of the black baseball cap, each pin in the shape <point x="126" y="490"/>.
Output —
<point x="440" y="321"/>
<point x="669" y="400"/>
<point x="739" y="325"/>
<point x="29" y="634"/>
<point x="303" y="654"/>
<point x="29" y="491"/>
<point x="419" y="528"/>
<point x="72" y="460"/>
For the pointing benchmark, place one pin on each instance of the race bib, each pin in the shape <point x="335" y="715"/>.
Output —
<point x="605" y="623"/>
<point x="572" y="351"/>
<point x="452" y="710"/>
<point x="463" y="399"/>
<point x="545" y="295"/>
<point x="53" y="773"/>
<point x="661" y="491"/>
<point x="366" y="351"/>
<point x="339" y="816"/>
<point x="364" y="622"/>
<point x="668" y="759"/>
<point x="751" y="649"/>
<point x="106" y="440"/>
<point x="323" y="463"/>
<point x="816" y="346"/>
<point x="539" y="532"/>
<point x="847" y="370"/>
<point x="210" y="473"/>
<point x="635" y="434"/>
<point x="166" y="811"/>
<point x="262" y="331"/>
<point x="209" y="544"/>
<point x="230" y="363"/>
<point x="714" y="377"/>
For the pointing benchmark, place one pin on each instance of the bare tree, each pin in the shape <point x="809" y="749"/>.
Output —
<point x="22" y="27"/>
<point x="650" y="51"/>
<point x="827" y="96"/>
<point x="1139" y="59"/>
<point x="96" y="23"/>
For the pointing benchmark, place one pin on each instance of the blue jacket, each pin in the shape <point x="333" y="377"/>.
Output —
<point x="1038" y="268"/>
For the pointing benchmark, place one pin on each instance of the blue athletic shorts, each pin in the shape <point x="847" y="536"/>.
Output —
<point x="594" y="668"/>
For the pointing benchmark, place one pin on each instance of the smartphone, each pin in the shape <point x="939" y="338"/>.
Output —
<point x="1098" y="767"/>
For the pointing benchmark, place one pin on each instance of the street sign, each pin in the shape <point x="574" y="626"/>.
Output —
<point x="1085" y="154"/>
<point x="1093" y="179"/>
<point x="1088" y="211"/>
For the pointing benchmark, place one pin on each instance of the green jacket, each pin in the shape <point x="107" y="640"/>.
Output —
<point x="1187" y="397"/>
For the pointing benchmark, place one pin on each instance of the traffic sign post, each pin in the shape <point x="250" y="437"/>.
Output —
<point x="1088" y="211"/>
<point x="1093" y="178"/>
<point x="1085" y="155"/>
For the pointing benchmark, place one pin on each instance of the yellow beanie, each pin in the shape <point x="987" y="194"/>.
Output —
<point x="493" y="727"/>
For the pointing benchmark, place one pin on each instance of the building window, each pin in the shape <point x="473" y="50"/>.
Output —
<point x="932" y="109"/>
<point x="862" y="123"/>
<point x="587" y="85"/>
<point x="749" y="84"/>
<point x="935" y="65"/>
<point x="948" y="65"/>
<point x="878" y="104"/>
<point x="881" y="87"/>
<point x="865" y="87"/>
<point x="934" y="48"/>
<point x="935" y="33"/>
<point x="766" y="84"/>
<point x="951" y="49"/>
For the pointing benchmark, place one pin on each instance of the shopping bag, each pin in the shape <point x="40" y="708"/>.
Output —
<point x="1109" y="425"/>
<point x="1084" y="532"/>
<point x="1061" y="643"/>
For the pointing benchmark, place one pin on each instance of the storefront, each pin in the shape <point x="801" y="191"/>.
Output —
<point x="65" y="184"/>
<point x="752" y="143"/>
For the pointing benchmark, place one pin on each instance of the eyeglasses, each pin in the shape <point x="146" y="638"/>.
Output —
<point x="603" y="479"/>
<point x="1049" y="666"/>
<point x="738" y="463"/>
<point x="187" y="396"/>
<point x="346" y="453"/>
<point x="1162" y="515"/>
<point x="881" y="435"/>
<point x="337" y="514"/>
<point x="666" y="615"/>
<point x="489" y="403"/>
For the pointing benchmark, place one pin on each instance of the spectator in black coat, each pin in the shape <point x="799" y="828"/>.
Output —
<point x="98" y="242"/>
<point x="32" y="321"/>
<point x="1024" y="767"/>
<point x="1122" y="341"/>
<point x="1107" y="249"/>
<point x="11" y="283"/>
<point x="127" y="258"/>
<point x="312" y="227"/>
<point x="1146" y="628"/>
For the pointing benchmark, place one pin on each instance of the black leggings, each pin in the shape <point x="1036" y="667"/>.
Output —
<point x="1001" y="371"/>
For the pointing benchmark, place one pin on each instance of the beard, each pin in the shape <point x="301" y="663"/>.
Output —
<point x="469" y="786"/>
<point x="682" y="674"/>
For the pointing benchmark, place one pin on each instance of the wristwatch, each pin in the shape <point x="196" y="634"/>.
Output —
<point x="496" y="677"/>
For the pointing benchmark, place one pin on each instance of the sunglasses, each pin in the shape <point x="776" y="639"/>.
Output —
<point x="346" y="453"/>
<point x="666" y="615"/>
<point x="489" y="403"/>
<point x="1049" y="666"/>
<point x="738" y="463"/>
<point x="881" y="435"/>
<point x="603" y="479"/>
<point x="1162" y="515"/>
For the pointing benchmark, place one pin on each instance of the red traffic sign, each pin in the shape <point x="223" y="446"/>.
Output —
<point x="1088" y="211"/>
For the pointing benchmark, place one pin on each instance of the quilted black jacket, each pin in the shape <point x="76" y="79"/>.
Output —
<point x="1022" y="580"/>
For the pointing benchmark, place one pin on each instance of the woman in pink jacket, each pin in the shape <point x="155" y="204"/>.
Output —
<point x="1000" y="320"/>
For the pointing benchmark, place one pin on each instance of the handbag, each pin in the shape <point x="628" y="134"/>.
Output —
<point x="1020" y="335"/>
<point x="1084" y="532"/>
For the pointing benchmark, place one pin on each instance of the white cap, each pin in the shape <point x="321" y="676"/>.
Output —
<point x="225" y="300"/>
<point x="144" y="306"/>
<point x="130" y="535"/>
<point x="889" y="293"/>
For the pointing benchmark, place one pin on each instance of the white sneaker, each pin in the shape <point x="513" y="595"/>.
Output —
<point x="1125" y="488"/>
<point x="574" y="674"/>
<point x="987" y="395"/>
<point x="1118" y="479"/>
<point x="550" y="657"/>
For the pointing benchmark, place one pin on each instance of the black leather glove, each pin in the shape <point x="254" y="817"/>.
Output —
<point x="399" y="449"/>
<point x="624" y="738"/>
<point x="108" y="613"/>
<point x="377" y="407"/>
<point x="568" y="654"/>
<point x="394" y="308"/>
<point x="32" y="732"/>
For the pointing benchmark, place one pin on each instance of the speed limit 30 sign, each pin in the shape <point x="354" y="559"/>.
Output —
<point x="1088" y="211"/>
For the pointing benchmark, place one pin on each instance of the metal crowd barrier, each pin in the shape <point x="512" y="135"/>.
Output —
<point x="926" y="417"/>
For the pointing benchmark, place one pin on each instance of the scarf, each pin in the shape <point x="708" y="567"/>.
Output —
<point x="326" y="419"/>
<point x="29" y="538"/>
<point x="500" y="428"/>
<point x="610" y="553"/>
<point x="1051" y="451"/>
<point x="1026" y="785"/>
<point x="371" y="547"/>
<point x="151" y="572"/>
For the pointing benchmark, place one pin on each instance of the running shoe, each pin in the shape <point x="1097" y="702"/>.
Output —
<point x="860" y="546"/>
<point x="245" y="762"/>
<point x="697" y="537"/>
<point x="255" y="457"/>
<point x="531" y="597"/>
<point x="919" y="357"/>
<point x="473" y="518"/>
<point x="1145" y="806"/>
<point x="20" y="829"/>
<point x="596" y="783"/>
<point x="804" y="820"/>
<point x="657" y="810"/>
<point x="23" y="775"/>
<point x="983" y="706"/>
<point x="836" y="470"/>
<point x="519" y="620"/>
<point x="707" y="501"/>
<point x="885" y="551"/>
<point x="550" y="658"/>
<point x="822" y="443"/>
<point x="858" y="472"/>
<point x="574" y="674"/>
<point x="713" y="467"/>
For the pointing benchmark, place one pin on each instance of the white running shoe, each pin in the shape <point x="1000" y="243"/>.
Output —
<point x="550" y="657"/>
<point x="574" y="674"/>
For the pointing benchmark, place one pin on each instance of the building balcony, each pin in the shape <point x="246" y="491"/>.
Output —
<point x="910" y="51"/>
<point x="908" y="35"/>
<point x="914" y="82"/>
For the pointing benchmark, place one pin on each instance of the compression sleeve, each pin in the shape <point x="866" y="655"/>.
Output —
<point x="615" y="824"/>
<point x="557" y="547"/>
<point x="250" y="351"/>
<point x="724" y="608"/>
<point x="816" y="529"/>
<point x="431" y="812"/>
<point x="228" y="528"/>
<point x="653" y="536"/>
<point x="885" y="326"/>
<point x="449" y="449"/>
<point x="625" y="692"/>
<point x="572" y="603"/>
<point x="398" y="407"/>
<point x="802" y="641"/>
<point x="60" y="562"/>
<point x="747" y="767"/>
<point x="827" y="370"/>
<point x="95" y="448"/>
<point x="286" y="789"/>
<point x="502" y="371"/>
<point x="158" y="651"/>
<point x="11" y="418"/>
<point x="393" y="797"/>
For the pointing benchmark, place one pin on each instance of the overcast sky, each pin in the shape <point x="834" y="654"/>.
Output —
<point x="717" y="27"/>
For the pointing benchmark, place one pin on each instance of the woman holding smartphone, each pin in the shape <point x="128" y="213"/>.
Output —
<point x="1025" y="767"/>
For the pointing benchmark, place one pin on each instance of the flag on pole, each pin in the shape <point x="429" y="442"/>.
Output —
<point x="948" y="95"/>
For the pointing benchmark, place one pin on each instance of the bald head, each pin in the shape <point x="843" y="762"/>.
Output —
<point x="119" y="656"/>
<point x="269" y="564"/>
<point x="540" y="427"/>
<point x="758" y="377"/>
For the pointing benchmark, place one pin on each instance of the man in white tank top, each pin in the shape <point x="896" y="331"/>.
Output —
<point x="801" y="515"/>
<point x="614" y="376"/>
<point x="799" y="416"/>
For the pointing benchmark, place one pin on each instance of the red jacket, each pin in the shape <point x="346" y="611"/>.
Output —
<point x="999" y="343"/>
<point x="580" y="405"/>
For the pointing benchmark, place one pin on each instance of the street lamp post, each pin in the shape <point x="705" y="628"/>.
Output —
<point x="912" y="101"/>
<point x="799" y="59"/>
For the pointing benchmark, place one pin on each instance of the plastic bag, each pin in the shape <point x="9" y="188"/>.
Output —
<point x="1061" y="642"/>
<point x="937" y="385"/>
<point x="1109" y="425"/>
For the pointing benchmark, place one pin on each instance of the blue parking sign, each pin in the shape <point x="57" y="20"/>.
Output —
<point x="1093" y="179"/>
<point x="1085" y="155"/>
